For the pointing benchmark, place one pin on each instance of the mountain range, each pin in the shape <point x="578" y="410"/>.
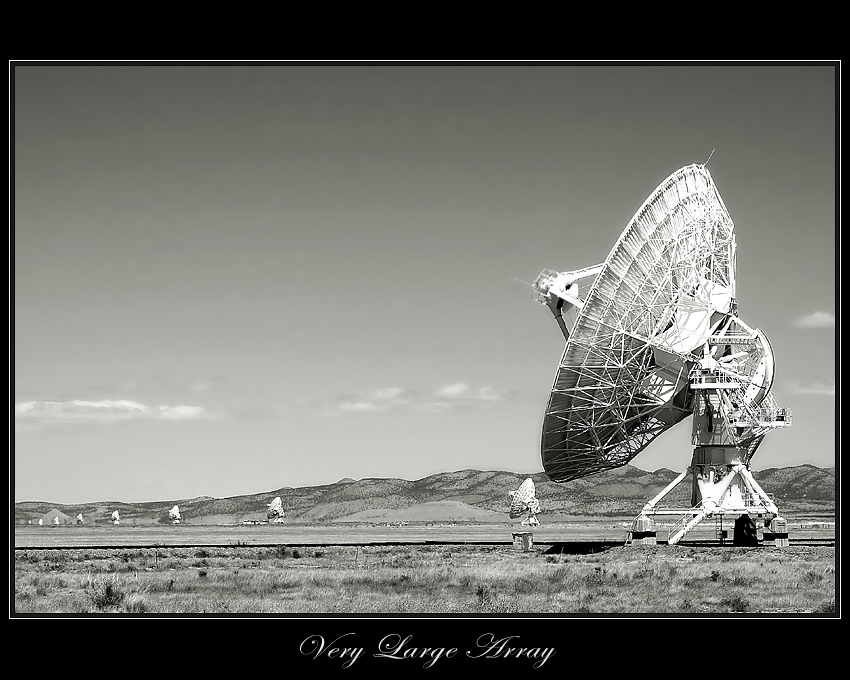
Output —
<point x="464" y="495"/>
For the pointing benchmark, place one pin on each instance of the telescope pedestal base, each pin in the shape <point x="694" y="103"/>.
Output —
<point x="643" y="531"/>
<point x="721" y="498"/>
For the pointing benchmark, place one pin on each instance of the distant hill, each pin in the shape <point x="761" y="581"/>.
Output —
<point x="464" y="495"/>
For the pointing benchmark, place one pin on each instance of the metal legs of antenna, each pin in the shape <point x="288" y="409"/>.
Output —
<point x="719" y="487"/>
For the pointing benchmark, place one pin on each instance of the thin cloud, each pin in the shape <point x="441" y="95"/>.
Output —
<point x="385" y="399"/>
<point x="820" y="387"/>
<point x="453" y="391"/>
<point x="79" y="409"/>
<point x="447" y="398"/>
<point x="103" y="411"/>
<point x="818" y="320"/>
<point x="463" y="392"/>
<point x="361" y="407"/>
<point x="181" y="412"/>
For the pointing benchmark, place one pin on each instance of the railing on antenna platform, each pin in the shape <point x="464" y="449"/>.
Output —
<point x="739" y="338"/>
<point x="719" y="531"/>
<point x="700" y="376"/>
<point x="752" y="500"/>
<point x="540" y="288"/>
<point x="679" y="525"/>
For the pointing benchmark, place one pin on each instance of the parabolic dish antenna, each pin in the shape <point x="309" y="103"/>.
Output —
<point x="657" y="338"/>
<point x="174" y="515"/>
<point x="524" y="501"/>
<point x="275" y="512"/>
<point x="116" y="518"/>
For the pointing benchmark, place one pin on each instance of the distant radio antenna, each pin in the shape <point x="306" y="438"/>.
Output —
<point x="523" y="500"/>
<point x="709" y="157"/>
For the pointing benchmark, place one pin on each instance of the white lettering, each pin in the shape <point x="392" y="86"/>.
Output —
<point x="390" y="647"/>
<point x="494" y="649"/>
<point x="315" y="645"/>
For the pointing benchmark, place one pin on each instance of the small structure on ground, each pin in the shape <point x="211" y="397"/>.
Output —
<point x="523" y="540"/>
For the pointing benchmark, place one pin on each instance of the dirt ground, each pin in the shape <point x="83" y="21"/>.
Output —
<point x="606" y="531"/>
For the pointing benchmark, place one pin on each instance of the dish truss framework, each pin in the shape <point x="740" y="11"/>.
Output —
<point x="657" y="338"/>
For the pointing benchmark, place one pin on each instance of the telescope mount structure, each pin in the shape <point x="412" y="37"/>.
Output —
<point x="656" y="339"/>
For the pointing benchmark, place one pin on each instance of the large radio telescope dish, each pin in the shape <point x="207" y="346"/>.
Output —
<point x="662" y="303"/>
<point x="174" y="515"/>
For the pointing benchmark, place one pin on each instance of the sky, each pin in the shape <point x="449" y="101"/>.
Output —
<point x="234" y="278"/>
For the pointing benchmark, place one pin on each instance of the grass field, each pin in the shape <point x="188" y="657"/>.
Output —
<point x="425" y="579"/>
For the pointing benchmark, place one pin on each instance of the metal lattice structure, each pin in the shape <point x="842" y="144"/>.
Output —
<point x="661" y="309"/>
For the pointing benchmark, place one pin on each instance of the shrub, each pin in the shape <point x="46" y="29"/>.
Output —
<point x="135" y="603"/>
<point x="735" y="603"/>
<point x="524" y="585"/>
<point x="484" y="593"/>
<point x="827" y="607"/>
<point x="686" y="605"/>
<point x="596" y="577"/>
<point x="104" y="593"/>
<point x="813" y="577"/>
<point x="41" y="586"/>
